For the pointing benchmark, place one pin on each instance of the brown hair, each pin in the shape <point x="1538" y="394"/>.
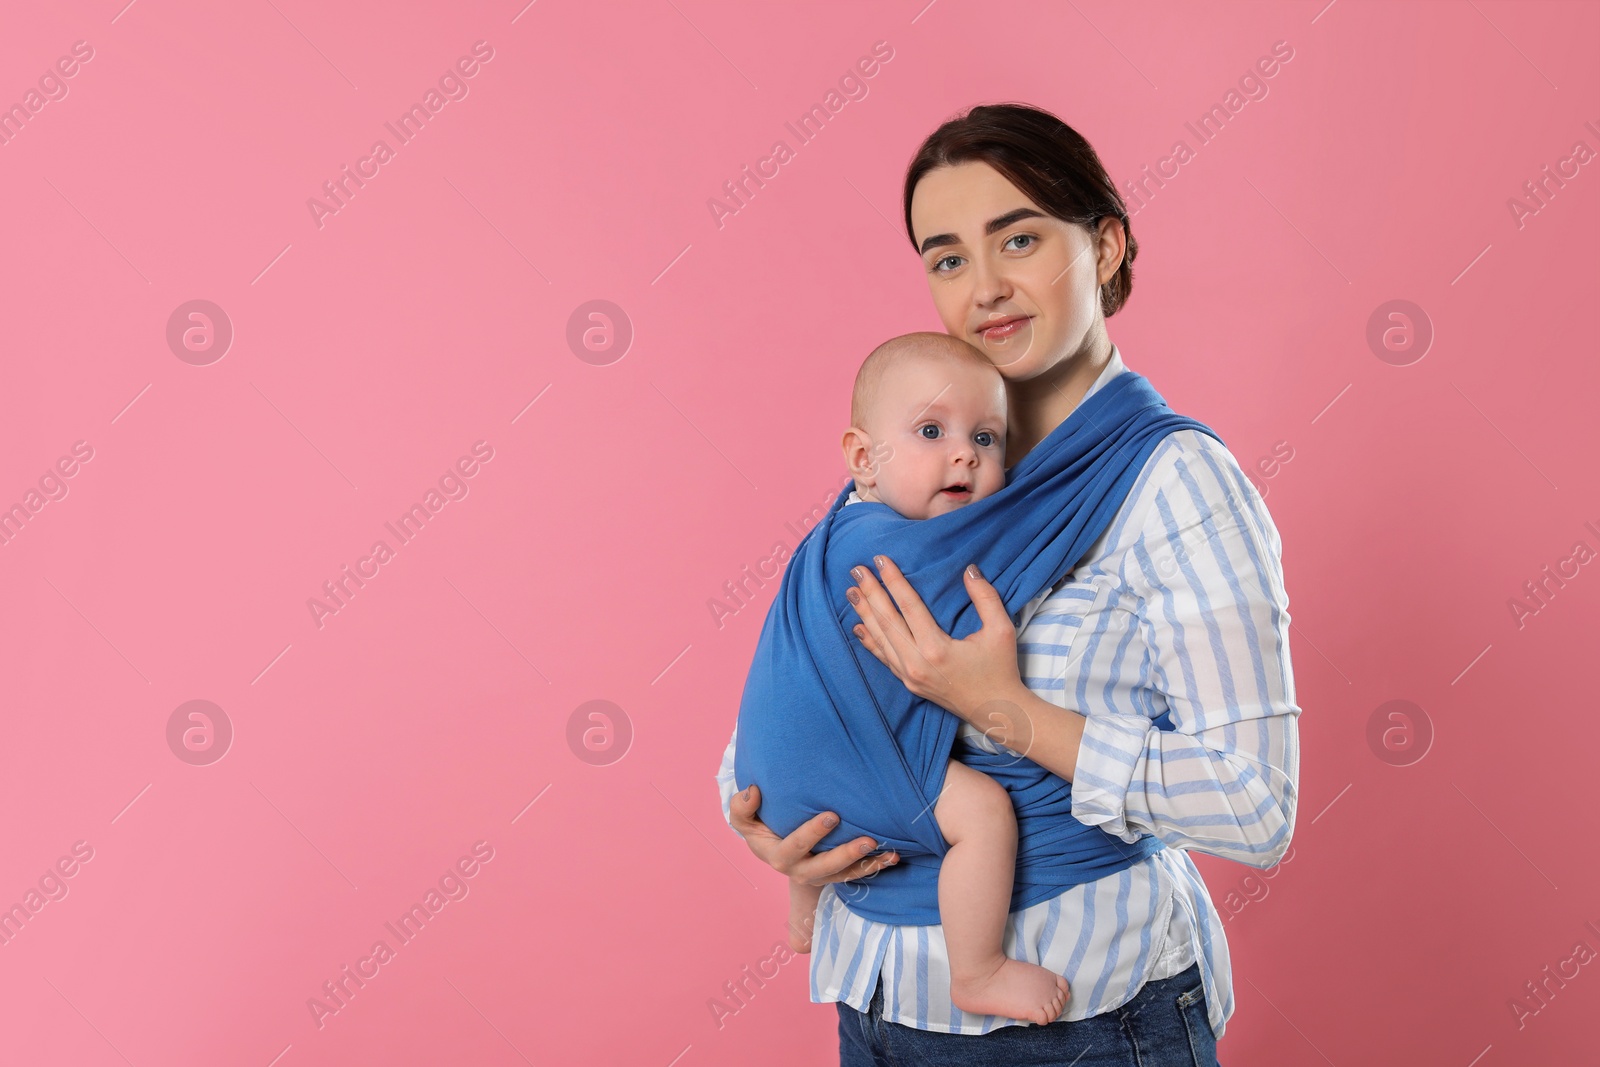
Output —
<point x="1045" y="158"/>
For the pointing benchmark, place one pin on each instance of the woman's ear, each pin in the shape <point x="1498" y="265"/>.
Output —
<point x="1111" y="242"/>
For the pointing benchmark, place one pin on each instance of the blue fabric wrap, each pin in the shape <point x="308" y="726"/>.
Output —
<point x="824" y="726"/>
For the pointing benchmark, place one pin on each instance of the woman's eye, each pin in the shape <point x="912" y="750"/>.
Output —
<point x="932" y="427"/>
<point x="938" y="264"/>
<point x="1019" y="237"/>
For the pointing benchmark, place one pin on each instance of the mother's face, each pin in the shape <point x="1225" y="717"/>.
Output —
<point x="1016" y="282"/>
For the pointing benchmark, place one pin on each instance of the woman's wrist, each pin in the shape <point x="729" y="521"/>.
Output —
<point x="1026" y="723"/>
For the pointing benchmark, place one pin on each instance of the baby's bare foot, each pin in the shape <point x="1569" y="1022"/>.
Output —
<point x="1016" y="990"/>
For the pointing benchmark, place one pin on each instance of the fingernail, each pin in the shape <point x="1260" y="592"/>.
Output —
<point x="853" y="594"/>
<point x="866" y="846"/>
<point x="880" y="561"/>
<point x="856" y="573"/>
<point x="972" y="569"/>
<point x="830" y="820"/>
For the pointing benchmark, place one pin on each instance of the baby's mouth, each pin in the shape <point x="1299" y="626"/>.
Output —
<point x="958" y="491"/>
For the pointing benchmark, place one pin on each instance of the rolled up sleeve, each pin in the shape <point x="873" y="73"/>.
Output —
<point x="1206" y="584"/>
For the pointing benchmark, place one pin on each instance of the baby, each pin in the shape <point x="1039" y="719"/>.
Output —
<point x="928" y="416"/>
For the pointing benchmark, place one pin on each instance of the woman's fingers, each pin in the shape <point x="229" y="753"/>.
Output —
<point x="887" y="617"/>
<point x="912" y="609"/>
<point x="742" y="814"/>
<point x="892" y="641"/>
<point x="991" y="609"/>
<point x="909" y="640"/>
<point x="844" y="863"/>
<point x="792" y="855"/>
<point x="868" y="643"/>
<point x="960" y="676"/>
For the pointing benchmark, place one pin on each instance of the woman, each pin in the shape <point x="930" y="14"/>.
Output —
<point x="1177" y="613"/>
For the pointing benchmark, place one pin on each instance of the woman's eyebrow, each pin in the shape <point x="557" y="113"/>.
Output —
<point x="993" y="226"/>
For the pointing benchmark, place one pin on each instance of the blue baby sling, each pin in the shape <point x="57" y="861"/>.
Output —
<point x="824" y="726"/>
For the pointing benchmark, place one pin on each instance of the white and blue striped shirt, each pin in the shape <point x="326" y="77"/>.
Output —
<point x="1180" y="606"/>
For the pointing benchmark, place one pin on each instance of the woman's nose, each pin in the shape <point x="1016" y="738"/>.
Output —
<point x="990" y="285"/>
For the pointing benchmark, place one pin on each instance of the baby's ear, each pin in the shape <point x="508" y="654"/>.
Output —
<point x="858" y="455"/>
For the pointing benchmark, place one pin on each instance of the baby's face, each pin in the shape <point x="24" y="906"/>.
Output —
<point x="944" y="422"/>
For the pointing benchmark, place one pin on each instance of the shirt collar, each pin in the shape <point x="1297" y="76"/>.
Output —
<point x="1112" y="368"/>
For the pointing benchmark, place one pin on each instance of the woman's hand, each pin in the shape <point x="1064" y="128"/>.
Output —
<point x="972" y="678"/>
<point x="792" y="855"/>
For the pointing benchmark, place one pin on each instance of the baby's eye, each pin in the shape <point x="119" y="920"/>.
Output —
<point x="985" y="438"/>
<point x="929" y="426"/>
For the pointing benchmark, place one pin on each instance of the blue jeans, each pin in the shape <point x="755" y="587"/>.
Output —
<point x="1165" y="1025"/>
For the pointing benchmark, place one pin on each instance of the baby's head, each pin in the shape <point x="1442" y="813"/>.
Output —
<point x="928" y="431"/>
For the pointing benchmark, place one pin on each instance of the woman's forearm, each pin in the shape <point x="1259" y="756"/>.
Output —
<point x="1027" y="723"/>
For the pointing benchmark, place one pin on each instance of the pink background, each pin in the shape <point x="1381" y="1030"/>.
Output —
<point x="372" y="752"/>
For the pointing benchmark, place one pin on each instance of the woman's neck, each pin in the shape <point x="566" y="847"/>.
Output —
<point x="1040" y="404"/>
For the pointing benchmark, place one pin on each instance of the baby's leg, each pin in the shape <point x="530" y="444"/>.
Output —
<point x="976" y="817"/>
<point x="802" y="914"/>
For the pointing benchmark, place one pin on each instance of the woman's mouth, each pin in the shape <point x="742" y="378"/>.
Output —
<point x="1003" y="328"/>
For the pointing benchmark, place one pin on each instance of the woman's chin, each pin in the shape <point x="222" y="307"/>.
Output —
<point x="1007" y="353"/>
<point x="1019" y="358"/>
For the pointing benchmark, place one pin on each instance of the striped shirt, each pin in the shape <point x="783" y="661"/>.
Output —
<point x="1179" y="606"/>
